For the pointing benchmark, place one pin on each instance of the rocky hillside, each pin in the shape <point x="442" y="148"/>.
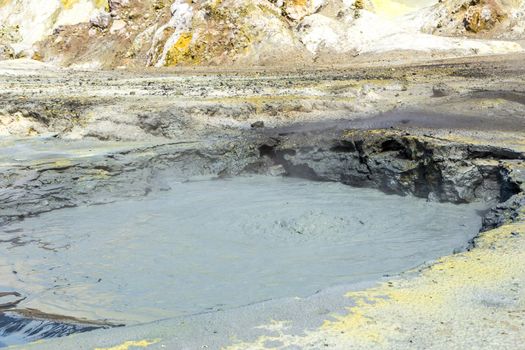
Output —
<point x="102" y="33"/>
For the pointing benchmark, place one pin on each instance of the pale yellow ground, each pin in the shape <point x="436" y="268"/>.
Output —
<point x="471" y="300"/>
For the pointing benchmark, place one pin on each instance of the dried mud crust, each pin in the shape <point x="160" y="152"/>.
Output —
<point x="158" y="106"/>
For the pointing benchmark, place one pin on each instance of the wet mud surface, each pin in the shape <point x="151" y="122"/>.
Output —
<point x="217" y="244"/>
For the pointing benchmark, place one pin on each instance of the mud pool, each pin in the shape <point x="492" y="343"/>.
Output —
<point x="209" y="244"/>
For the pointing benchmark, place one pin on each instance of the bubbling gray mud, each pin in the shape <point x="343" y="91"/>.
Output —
<point x="216" y="244"/>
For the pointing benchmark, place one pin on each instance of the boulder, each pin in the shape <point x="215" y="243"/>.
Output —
<point x="100" y="20"/>
<point x="6" y="52"/>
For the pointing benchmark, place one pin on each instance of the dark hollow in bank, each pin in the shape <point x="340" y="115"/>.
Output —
<point x="16" y="329"/>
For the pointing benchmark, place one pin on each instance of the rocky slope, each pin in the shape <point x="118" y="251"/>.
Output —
<point x="102" y="33"/>
<point x="482" y="18"/>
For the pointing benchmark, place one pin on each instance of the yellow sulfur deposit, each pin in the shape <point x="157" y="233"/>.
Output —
<point x="132" y="344"/>
<point x="68" y="3"/>
<point x="178" y="51"/>
<point x="390" y="8"/>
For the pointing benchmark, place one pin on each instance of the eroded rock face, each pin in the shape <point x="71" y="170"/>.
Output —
<point x="32" y="22"/>
<point x="219" y="32"/>
<point x="397" y="164"/>
<point x="485" y="18"/>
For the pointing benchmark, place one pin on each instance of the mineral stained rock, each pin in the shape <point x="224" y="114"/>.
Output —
<point x="101" y="33"/>
<point x="502" y="19"/>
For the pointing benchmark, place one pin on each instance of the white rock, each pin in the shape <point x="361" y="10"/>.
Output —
<point x="100" y="20"/>
<point x="113" y="4"/>
<point x="318" y="31"/>
<point x="38" y="18"/>
<point x="372" y="33"/>
<point x="117" y="26"/>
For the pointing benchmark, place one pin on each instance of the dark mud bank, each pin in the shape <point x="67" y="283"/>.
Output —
<point x="394" y="162"/>
<point x="402" y="164"/>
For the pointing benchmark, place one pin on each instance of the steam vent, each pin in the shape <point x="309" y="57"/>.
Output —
<point x="262" y="174"/>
